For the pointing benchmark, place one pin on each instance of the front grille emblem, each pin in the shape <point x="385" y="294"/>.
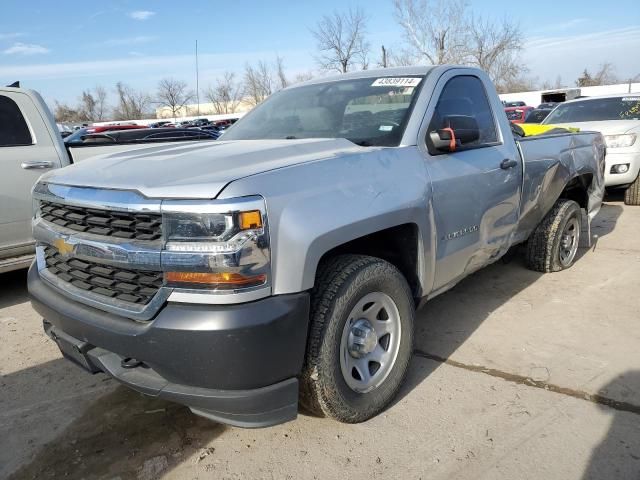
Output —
<point x="63" y="247"/>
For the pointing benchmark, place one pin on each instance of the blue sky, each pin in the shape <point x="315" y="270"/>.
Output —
<point x="61" y="48"/>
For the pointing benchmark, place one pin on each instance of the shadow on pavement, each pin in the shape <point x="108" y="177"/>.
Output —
<point x="618" y="455"/>
<point x="14" y="288"/>
<point x="448" y="320"/>
<point x="121" y="434"/>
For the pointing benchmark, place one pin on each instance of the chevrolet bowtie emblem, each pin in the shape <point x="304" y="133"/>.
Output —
<point x="63" y="247"/>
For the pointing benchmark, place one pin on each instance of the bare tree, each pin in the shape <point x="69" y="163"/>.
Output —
<point x="132" y="104"/>
<point x="65" y="113"/>
<point x="87" y="107"/>
<point x="604" y="76"/>
<point x="101" y="107"/>
<point x="494" y="47"/>
<point x="282" y="80"/>
<point x="258" y="82"/>
<point x="226" y="94"/>
<point x="341" y="41"/>
<point x="174" y="94"/>
<point x="391" y="58"/>
<point x="435" y="30"/>
<point x="303" y="77"/>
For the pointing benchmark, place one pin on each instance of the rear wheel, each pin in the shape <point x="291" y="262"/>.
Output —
<point x="632" y="193"/>
<point x="360" y="340"/>
<point x="554" y="243"/>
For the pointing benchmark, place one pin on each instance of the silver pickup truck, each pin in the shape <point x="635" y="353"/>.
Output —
<point x="30" y="144"/>
<point x="285" y="262"/>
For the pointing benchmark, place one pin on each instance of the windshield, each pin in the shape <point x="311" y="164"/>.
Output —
<point x="366" y="111"/>
<point x="597" y="109"/>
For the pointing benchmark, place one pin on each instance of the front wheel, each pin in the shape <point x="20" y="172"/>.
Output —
<point x="553" y="245"/>
<point x="360" y="340"/>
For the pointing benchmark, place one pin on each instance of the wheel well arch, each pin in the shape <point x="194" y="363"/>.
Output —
<point x="398" y="245"/>
<point x="577" y="189"/>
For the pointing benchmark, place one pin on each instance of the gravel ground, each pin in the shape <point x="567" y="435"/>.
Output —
<point x="517" y="375"/>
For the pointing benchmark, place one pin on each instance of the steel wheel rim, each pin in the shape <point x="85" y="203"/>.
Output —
<point x="366" y="364"/>
<point x="569" y="242"/>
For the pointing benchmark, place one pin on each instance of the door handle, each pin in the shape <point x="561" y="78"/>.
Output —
<point x="37" y="164"/>
<point x="508" y="163"/>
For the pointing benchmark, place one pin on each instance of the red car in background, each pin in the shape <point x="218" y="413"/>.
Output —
<point x="517" y="114"/>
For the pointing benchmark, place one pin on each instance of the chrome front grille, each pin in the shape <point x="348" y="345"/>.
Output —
<point x="108" y="223"/>
<point x="132" y="287"/>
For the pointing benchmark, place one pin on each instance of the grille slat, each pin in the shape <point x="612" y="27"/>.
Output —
<point x="108" y="223"/>
<point x="126" y="285"/>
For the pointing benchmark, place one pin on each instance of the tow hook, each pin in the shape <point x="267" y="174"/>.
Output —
<point x="130" y="363"/>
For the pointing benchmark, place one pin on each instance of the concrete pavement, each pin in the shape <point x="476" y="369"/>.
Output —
<point x="516" y="375"/>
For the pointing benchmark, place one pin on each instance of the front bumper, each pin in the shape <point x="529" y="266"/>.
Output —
<point x="237" y="364"/>
<point x="621" y="179"/>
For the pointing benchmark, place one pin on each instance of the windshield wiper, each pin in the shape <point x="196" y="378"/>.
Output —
<point x="291" y="137"/>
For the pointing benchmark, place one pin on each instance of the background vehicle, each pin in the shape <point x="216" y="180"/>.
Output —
<point x="288" y="258"/>
<point x="517" y="114"/>
<point x="31" y="144"/>
<point x="76" y="137"/>
<point x="548" y="105"/>
<point x="163" y="123"/>
<point x="148" y="135"/>
<point x="517" y="103"/>
<point x="618" y="118"/>
<point x="537" y="115"/>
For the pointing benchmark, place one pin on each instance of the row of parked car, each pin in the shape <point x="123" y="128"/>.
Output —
<point x="519" y="112"/>
<point x="616" y="116"/>
<point x="200" y="129"/>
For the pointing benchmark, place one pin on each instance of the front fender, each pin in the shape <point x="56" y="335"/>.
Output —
<point x="317" y="206"/>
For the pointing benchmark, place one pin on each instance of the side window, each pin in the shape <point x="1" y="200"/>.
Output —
<point x="463" y="101"/>
<point x="13" y="127"/>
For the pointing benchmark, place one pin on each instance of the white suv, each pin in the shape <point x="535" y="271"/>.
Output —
<point x="617" y="117"/>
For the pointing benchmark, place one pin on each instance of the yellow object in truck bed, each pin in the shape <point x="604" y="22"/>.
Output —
<point x="531" y="129"/>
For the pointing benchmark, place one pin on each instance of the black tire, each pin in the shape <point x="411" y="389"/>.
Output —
<point x="632" y="193"/>
<point x="341" y="283"/>
<point x="543" y="247"/>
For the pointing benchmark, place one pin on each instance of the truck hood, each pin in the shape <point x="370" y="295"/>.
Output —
<point x="196" y="170"/>
<point x="609" y="127"/>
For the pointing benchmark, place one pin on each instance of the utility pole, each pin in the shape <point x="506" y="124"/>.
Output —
<point x="197" y="80"/>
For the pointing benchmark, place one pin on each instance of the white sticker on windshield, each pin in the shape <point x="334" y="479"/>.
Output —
<point x="630" y="99"/>
<point x="386" y="128"/>
<point x="396" y="82"/>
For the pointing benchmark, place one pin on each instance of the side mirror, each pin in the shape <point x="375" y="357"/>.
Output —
<point x="458" y="131"/>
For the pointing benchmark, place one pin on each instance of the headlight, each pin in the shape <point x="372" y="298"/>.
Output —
<point x="619" y="141"/>
<point x="216" y="245"/>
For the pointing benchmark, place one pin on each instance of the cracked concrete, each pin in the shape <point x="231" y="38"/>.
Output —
<point x="527" y="376"/>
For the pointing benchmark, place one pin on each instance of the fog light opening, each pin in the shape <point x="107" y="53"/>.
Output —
<point x="620" y="168"/>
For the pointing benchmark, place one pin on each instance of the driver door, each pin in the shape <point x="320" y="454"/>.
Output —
<point x="477" y="185"/>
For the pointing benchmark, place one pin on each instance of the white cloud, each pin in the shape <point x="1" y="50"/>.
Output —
<point x="141" y="14"/>
<point x="130" y="66"/>
<point x="117" y="42"/>
<point x="25" y="49"/>
<point x="567" y="56"/>
<point x="561" y="26"/>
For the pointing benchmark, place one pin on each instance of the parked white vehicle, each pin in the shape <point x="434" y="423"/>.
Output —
<point x="30" y="145"/>
<point x="617" y="117"/>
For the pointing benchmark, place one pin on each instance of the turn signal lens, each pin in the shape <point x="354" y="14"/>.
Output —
<point x="220" y="280"/>
<point x="250" y="220"/>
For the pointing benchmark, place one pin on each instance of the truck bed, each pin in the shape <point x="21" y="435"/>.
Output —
<point x="550" y="162"/>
